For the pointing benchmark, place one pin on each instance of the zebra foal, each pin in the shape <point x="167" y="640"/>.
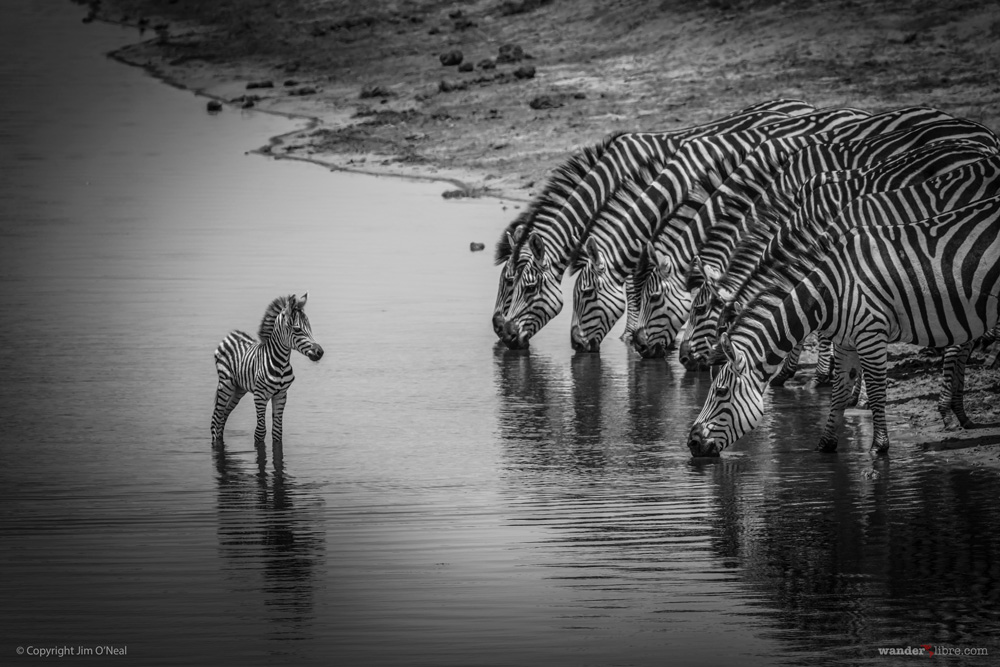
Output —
<point x="263" y="366"/>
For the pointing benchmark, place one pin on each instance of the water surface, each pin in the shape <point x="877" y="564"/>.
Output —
<point x="438" y="500"/>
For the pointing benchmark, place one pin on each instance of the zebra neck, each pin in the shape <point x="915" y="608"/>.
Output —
<point x="278" y="352"/>
<point x="772" y="333"/>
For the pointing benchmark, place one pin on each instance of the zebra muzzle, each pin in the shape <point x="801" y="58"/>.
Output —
<point x="316" y="353"/>
<point x="581" y="343"/>
<point x="513" y="337"/>
<point x="701" y="444"/>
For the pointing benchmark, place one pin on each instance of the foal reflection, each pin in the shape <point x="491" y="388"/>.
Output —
<point x="269" y="545"/>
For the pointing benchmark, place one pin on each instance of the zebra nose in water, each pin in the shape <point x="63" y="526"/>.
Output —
<point x="498" y="325"/>
<point x="512" y="336"/>
<point x="581" y="343"/>
<point x="699" y="443"/>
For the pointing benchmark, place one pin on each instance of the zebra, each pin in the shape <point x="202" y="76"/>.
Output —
<point x="932" y="282"/>
<point x="263" y="366"/>
<point x="531" y="311"/>
<point x="658" y="322"/>
<point x="600" y="168"/>
<point x="820" y="201"/>
<point x="596" y="175"/>
<point x="603" y="268"/>
<point x="954" y="189"/>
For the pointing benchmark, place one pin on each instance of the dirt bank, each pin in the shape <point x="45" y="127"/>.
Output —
<point x="545" y="77"/>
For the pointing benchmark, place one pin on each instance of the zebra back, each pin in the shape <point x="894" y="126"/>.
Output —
<point x="725" y="211"/>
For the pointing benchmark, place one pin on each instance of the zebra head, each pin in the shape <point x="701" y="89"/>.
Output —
<point x="598" y="301"/>
<point x="536" y="296"/>
<point x="507" y="275"/>
<point x="734" y="405"/>
<point x="292" y="327"/>
<point x="706" y="307"/>
<point x="664" y="304"/>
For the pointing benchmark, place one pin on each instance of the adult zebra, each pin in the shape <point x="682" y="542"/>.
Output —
<point x="664" y="308"/>
<point x="581" y="187"/>
<point x="959" y="187"/>
<point x="818" y="204"/>
<point x="537" y="297"/>
<point x="934" y="282"/>
<point x="597" y="171"/>
<point x="263" y="366"/>
<point x="613" y="242"/>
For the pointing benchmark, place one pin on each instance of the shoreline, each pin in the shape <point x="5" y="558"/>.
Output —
<point x="312" y="123"/>
<point x="338" y="114"/>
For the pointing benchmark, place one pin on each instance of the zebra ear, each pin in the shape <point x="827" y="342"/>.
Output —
<point x="594" y="254"/>
<point x="537" y="247"/>
<point x="733" y="356"/>
<point x="301" y="303"/>
<point x="518" y="234"/>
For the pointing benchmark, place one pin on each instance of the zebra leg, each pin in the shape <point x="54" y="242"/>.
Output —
<point x="874" y="361"/>
<point x="824" y="362"/>
<point x="859" y="395"/>
<point x="277" y="413"/>
<point x="788" y="367"/>
<point x="631" y="311"/>
<point x="952" y="400"/>
<point x="226" y="398"/>
<point x="844" y="365"/>
<point x="260" y="403"/>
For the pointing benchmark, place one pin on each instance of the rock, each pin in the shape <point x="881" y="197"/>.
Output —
<point x="375" y="91"/>
<point x="510" y="53"/>
<point x="214" y="106"/>
<point x="476" y="247"/>
<point x="464" y="24"/>
<point x="525" y="72"/>
<point x="304" y="90"/>
<point x="451" y="86"/>
<point x="545" y="102"/>
<point x="291" y="82"/>
<point x="453" y="57"/>
<point x="465" y="67"/>
<point x="248" y="103"/>
<point x="487" y="63"/>
<point x="260" y="84"/>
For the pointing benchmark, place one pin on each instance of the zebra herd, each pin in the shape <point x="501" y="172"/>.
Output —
<point x="746" y="235"/>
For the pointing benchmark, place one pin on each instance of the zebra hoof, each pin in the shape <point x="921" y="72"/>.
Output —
<point x="879" y="449"/>
<point x="827" y="445"/>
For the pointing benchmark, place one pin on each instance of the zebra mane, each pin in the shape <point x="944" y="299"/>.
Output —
<point x="270" y="315"/>
<point x="750" y="252"/>
<point x="718" y="239"/>
<point x="560" y="185"/>
<point x="698" y="193"/>
<point x="800" y="250"/>
<point x="619" y="206"/>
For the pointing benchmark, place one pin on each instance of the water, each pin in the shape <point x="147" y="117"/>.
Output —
<point x="437" y="501"/>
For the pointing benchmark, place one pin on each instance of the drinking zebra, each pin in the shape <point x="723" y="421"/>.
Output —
<point x="605" y="264"/>
<point x="262" y="366"/>
<point x="935" y="283"/>
<point x="658" y="320"/>
<point x="581" y="187"/>
<point x="818" y="204"/>
<point x="533" y="310"/>
<point x="954" y="189"/>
